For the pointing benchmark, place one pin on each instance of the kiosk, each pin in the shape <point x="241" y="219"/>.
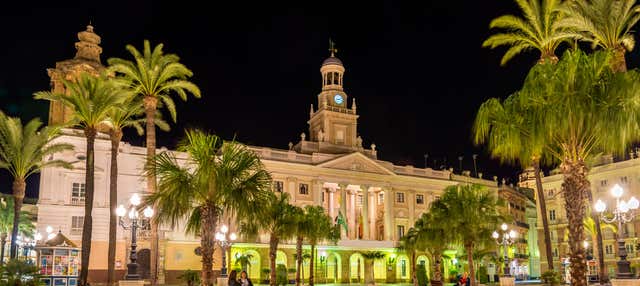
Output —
<point x="59" y="261"/>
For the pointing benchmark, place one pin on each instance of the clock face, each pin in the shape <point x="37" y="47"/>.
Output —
<point x="338" y="99"/>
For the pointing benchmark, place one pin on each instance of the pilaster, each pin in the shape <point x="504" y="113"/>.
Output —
<point x="388" y="213"/>
<point x="365" y="211"/>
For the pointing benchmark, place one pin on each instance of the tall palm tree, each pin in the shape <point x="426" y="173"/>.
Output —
<point x="276" y="220"/>
<point x="471" y="212"/>
<point x="25" y="150"/>
<point x="509" y="138"/>
<point x="125" y="115"/>
<point x="578" y="108"/>
<point x="434" y="237"/>
<point x="91" y="99"/>
<point x="155" y="77"/>
<point x="322" y="229"/>
<point x="26" y="228"/>
<point x="216" y="179"/>
<point x="302" y="226"/>
<point x="410" y="244"/>
<point x="370" y="258"/>
<point x="604" y="23"/>
<point x="538" y="29"/>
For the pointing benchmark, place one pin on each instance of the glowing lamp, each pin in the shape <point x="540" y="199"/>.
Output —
<point x="148" y="212"/>
<point x="49" y="229"/>
<point x="600" y="206"/>
<point x="623" y="206"/>
<point x="617" y="191"/>
<point x="135" y="199"/>
<point x="38" y="236"/>
<point x="133" y="214"/>
<point x="224" y="228"/>
<point x="495" y="235"/>
<point x="233" y="236"/>
<point x="121" y="211"/>
<point x="513" y="234"/>
<point x="633" y="203"/>
<point x="504" y="227"/>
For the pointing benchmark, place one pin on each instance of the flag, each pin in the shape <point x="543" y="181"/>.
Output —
<point x="340" y="220"/>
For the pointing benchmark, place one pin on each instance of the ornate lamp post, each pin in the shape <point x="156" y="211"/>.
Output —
<point x="505" y="238"/>
<point x="622" y="213"/>
<point x="134" y="224"/>
<point x="225" y="240"/>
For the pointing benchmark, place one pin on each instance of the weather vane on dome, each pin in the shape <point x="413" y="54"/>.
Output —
<point x="332" y="47"/>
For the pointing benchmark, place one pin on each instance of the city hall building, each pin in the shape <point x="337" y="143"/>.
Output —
<point x="328" y="166"/>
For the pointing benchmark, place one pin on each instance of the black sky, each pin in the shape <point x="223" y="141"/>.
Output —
<point x="416" y="68"/>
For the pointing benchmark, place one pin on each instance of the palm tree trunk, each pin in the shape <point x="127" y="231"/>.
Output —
<point x="87" y="224"/>
<point x="273" y="248"/>
<point x="19" y="187"/>
<point x="575" y="186"/>
<point x="414" y="275"/>
<point x="299" y="240"/>
<point x="598" y="246"/>
<point x="437" y="272"/>
<point x="472" y="271"/>
<point x="369" y="279"/>
<point x="3" y="243"/>
<point x="543" y="214"/>
<point x="618" y="62"/>
<point x="116" y="136"/>
<point x="311" y="263"/>
<point x="150" y="106"/>
<point x="209" y="219"/>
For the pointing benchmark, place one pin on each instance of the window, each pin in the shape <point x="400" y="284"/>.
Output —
<point x="552" y="215"/>
<point x="278" y="186"/>
<point x="420" y="199"/>
<point x="399" y="197"/>
<point x="403" y="268"/>
<point x="629" y="248"/>
<point x="603" y="183"/>
<point x="550" y="193"/>
<point x="304" y="189"/>
<point x="400" y="231"/>
<point x="623" y="179"/>
<point x="381" y="198"/>
<point x="76" y="224"/>
<point x="555" y="252"/>
<point x="608" y="249"/>
<point x="77" y="193"/>
<point x="339" y="136"/>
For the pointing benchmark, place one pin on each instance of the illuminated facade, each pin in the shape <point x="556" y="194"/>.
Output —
<point x="603" y="176"/>
<point x="329" y="166"/>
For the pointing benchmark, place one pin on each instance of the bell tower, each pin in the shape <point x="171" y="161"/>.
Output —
<point x="334" y="122"/>
<point x="87" y="59"/>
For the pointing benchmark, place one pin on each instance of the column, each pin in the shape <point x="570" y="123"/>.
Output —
<point x="353" y="234"/>
<point x="365" y="211"/>
<point x="373" y="211"/>
<point x="317" y="192"/>
<point x="343" y="208"/>
<point x="332" y="208"/>
<point x="388" y="215"/>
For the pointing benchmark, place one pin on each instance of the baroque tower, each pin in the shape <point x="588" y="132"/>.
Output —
<point x="87" y="60"/>
<point x="333" y="126"/>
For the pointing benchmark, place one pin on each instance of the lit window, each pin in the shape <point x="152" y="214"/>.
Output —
<point x="400" y="231"/>
<point x="278" y="186"/>
<point x="608" y="249"/>
<point x="400" y="197"/>
<point x="77" y="193"/>
<point x="76" y="224"/>
<point x="420" y="199"/>
<point x="624" y="179"/>
<point x="555" y="252"/>
<point x="304" y="189"/>
<point x="603" y="183"/>
<point x="552" y="215"/>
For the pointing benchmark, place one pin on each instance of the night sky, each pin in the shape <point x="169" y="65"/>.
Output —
<point x="417" y="70"/>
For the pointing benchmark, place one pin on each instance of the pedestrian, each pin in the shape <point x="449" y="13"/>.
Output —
<point x="244" y="279"/>
<point x="233" y="280"/>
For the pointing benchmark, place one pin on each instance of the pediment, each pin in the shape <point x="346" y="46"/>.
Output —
<point x="356" y="162"/>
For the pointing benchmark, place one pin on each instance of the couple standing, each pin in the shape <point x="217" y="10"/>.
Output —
<point x="243" y="281"/>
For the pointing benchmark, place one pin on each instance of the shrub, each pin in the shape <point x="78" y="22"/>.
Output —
<point x="482" y="274"/>
<point x="551" y="278"/>
<point x="191" y="277"/>
<point x="421" y="273"/>
<point x="281" y="275"/>
<point x="19" y="273"/>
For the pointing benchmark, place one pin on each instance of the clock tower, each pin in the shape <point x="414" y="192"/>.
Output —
<point x="334" y="123"/>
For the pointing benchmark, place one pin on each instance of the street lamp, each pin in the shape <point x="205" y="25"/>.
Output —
<point x="225" y="239"/>
<point x="622" y="213"/>
<point x="505" y="238"/>
<point x="134" y="224"/>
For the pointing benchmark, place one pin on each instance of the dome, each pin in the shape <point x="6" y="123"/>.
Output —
<point x="332" y="61"/>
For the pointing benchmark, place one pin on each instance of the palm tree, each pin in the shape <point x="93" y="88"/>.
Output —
<point x="154" y="76"/>
<point x="26" y="228"/>
<point x="216" y="179"/>
<point x="578" y="108"/>
<point x="434" y="238"/>
<point x="410" y="243"/>
<point x="537" y="30"/>
<point x="244" y="260"/>
<point x="322" y="229"/>
<point x="302" y="226"/>
<point x="122" y="116"/>
<point x="91" y="99"/>
<point x="276" y="220"/>
<point x="25" y="150"/>
<point x="471" y="214"/>
<point x="370" y="258"/>
<point x="508" y="137"/>
<point x="604" y="23"/>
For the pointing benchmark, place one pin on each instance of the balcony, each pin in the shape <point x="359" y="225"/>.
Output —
<point x="522" y="224"/>
<point x="77" y="201"/>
